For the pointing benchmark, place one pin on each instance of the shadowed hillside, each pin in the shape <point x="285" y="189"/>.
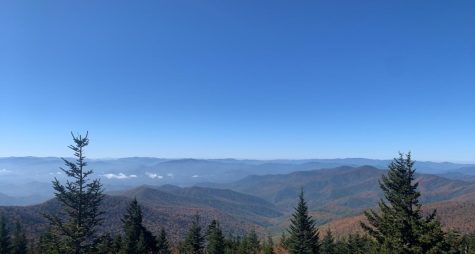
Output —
<point x="167" y="207"/>
<point x="230" y="202"/>
<point x="343" y="190"/>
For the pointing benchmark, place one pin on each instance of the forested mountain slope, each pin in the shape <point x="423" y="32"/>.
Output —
<point x="169" y="207"/>
<point x="343" y="190"/>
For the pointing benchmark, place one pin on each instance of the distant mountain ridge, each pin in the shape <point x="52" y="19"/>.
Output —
<point x="19" y="174"/>
<point x="264" y="202"/>
<point x="342" y="191"/>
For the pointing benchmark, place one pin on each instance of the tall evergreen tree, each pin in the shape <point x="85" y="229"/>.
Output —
<point x="303" y="232"/>
<point x="400" y="228"/>
<point x="5" y="241"/>
<point x="80" y="200"/>
<point x="137" y="239"/>
<point x="19" y="244"/>
<point x="163" y="246"/>
<point x="194" y="241"/>
<point x="215" y="239"/>
<point x="328" y="244"/>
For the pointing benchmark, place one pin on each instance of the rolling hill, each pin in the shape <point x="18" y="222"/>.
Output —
<point x="454" y="215"/>
<point x="236" y="204"/>
<point x="336" y="197"/>
<point x="344" y="191"/>
<point x="170" y="207"/>
<point x="31" y="176"/>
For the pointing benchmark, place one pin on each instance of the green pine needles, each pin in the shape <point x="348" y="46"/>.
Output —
<point x="399" y="227"/>
<point x="194" y="241"/>
<point x="215" y="239"/>
<point x="80" y="200"/>
<point x="137" y="238"/>
<point x="303" y="232"/>
<point x="5" y="240"/>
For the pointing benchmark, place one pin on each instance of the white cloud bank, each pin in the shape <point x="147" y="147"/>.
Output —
<point x="154" y="175"/>
<point x="119" y="176"/>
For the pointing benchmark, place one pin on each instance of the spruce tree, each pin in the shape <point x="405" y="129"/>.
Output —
<point x="163" y="246"/>
<point x="303" y="232"/>
<point x="249" y="243"/>
<point x="19" y="244"/>
<point x="231" y="244"/>
<point x="357" y="244"/>
<point x="194" y="241"/>
<point x="5" y="241"/>
<point x="328" y="244"/>
<point x="253" y="242"/>
<point x="117" y="244"/>
<point x="104" y="245"/>
<point x="80" y="200"/>
<point x="268" y="246"/>
<point x="137" y="239"/>
<point x="49" y="243"/>
<point x="283" y="241"/>
<point x="215" y="239"/>
<point x="400" y="228"/>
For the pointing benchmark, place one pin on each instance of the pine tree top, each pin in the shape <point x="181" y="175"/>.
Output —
<point x="303" y="232"/>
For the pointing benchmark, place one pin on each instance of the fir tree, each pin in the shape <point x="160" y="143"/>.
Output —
<point x="328" y="244"/>
<point x="268" y="247"/>
<point x="117" y="244"/>
<point x="243" y="247"/>
<point x="5" y="241"/>
<point x="303" y="237"/>
<point x="49" y="243"/>
<point x="215" y="239"/>
<point x="194" y="241"/>
<point x="253" y="242"/>
<point x="400" y="226"/>
<point x="80" y="200"/>
<point x="137" y="239"/>
<point x="249" y="244"/>
<point x="105" y="245"/>
<point x="19" y="244"/>
<point x="231" y="244"/>
<point x="358" y="244"/>
<point x="163" y="246"/>
<point x="284" y="241"/>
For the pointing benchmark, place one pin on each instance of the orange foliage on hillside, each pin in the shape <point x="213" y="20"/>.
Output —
<point x="454" y="215"/>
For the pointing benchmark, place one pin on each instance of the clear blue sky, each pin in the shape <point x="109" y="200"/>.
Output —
<point x="243" y="79"/>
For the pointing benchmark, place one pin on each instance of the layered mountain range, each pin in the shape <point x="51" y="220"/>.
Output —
<point x="336" y="196"/>
<point x="27" y="180"/>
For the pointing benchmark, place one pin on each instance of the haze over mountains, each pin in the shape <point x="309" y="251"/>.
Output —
<point x="242" y="194"/>
<point x="26" y="180"/>
<point x="336" y="197"/>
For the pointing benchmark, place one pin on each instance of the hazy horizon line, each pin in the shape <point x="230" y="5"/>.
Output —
<point x="236" y="158"/>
